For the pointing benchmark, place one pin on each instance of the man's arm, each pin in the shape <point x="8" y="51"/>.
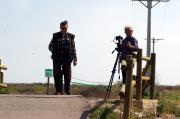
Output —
<point x="74" y="51"/>
<point x="51" y="44"/>
<point x="135" y="47"/>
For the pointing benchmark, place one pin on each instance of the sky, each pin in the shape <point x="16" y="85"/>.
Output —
<point x="26" y="28"/>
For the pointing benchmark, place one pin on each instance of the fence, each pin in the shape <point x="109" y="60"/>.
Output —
<point x="145" y="77"/>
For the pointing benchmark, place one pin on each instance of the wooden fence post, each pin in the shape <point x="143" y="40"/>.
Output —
<point x="128" y="96"/>
<point x="1" y="80"/>
<point x="153" y="71"/>
<point x="2" y="77"/>
<point x="139" y="76"/>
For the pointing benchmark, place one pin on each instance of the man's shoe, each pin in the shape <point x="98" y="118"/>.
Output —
<point x="122" y="91"/>
<point x="68" y="93"/>
<point x="58" y="93"/>
<point x="121" y="95"/>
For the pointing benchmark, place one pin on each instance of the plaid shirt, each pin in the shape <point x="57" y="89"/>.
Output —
<point x="63" y="46"/>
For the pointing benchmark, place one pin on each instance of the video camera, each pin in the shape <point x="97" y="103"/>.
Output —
<point x="118" y="41"/>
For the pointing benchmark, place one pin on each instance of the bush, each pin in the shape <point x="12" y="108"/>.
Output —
<point x="4" y="91"/>
<point x="12" y="89"/>
<point x="40" y="89"/>
<point x="167" y="102"/>
<point x="100" y="113"/>
<point x="114" y="115"/>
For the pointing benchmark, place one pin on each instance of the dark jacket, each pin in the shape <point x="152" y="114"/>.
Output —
<point x="128" y="51"/>
<point x="57" y="43"/>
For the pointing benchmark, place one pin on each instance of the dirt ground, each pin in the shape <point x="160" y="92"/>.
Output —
<point x="43" y="107"/>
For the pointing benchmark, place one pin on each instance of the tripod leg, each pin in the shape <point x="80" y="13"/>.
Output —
<point x="111" y="79"/>
<point x="110" y="85"/>
<point x="108" y="88"/>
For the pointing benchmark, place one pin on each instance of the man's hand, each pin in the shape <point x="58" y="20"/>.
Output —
<point x="74" y="62"/>
<point x="129" y="45"/>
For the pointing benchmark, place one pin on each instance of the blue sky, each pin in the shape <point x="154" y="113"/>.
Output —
<point x="26" y="28"/>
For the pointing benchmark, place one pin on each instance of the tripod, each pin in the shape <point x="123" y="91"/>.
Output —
<point x="118" y="57"/>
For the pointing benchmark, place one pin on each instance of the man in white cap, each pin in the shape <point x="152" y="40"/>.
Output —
<point x="129" y="45"/>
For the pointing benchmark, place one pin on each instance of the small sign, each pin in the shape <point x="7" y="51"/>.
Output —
<point x="48" y="72"/>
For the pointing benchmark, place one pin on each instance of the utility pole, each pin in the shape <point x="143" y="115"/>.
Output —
<point x="154" y="40"/>
<point x="149" y="6"/>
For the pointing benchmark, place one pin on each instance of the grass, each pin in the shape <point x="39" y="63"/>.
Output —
<point x="115" y="112"/>
<point x="114" y="115"/>
<point x="40" y="89"/>
<point x="167" y="102"/>
<point x="4" y="91"/>
<point x="100" y="113"/>
<point x="105" y="111"/>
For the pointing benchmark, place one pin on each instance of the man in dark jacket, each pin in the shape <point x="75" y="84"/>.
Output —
<point x="129" y="45"/>
<point x="63" y="51"/>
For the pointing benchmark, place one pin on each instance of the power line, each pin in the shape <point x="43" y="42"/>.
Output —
<point x="154" y="40"/>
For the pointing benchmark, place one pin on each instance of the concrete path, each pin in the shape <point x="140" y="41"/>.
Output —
<point x="43" y="107"/>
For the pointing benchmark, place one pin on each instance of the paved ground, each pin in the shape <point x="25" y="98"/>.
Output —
<point x="43" y="107"/>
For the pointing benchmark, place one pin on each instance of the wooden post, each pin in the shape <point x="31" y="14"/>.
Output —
<point x="1" y="77"/>
<point x="128" y="96"/>
<point x="153" y="71"/>
<point x="0" y="73"/>
<point x="48" y="85"/>
<point x="139" y="76"/>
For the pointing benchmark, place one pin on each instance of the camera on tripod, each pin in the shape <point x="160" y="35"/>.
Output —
<point x="118" y="41"/>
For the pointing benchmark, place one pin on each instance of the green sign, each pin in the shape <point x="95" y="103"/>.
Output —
<point x="48" y="72"/>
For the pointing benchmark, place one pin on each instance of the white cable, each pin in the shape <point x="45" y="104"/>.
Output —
<point x="134" y="18"/>
<point x="164" y="20"/>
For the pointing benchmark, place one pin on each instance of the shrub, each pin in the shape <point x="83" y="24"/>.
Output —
<point x="4" y="91"/>
<point x="100" y="113"/>
<point x="167" y="102"/>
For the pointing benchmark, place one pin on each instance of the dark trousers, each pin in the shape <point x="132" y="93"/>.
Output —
<point x="62" y="68"/>
<point x="124" y="76"/>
